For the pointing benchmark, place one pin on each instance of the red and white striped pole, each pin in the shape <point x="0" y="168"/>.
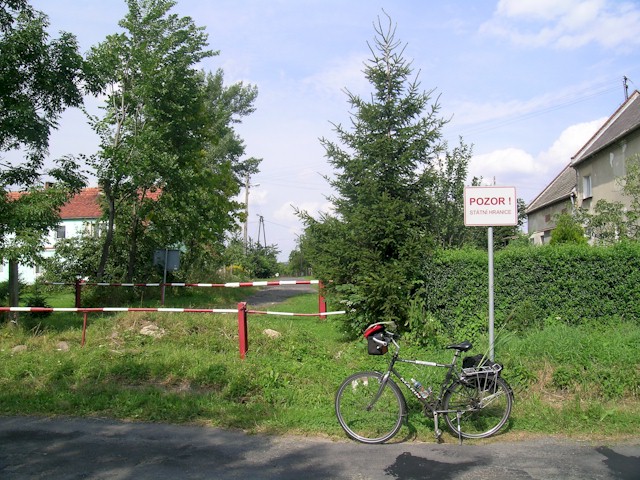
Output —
<point x="322" y="302"/>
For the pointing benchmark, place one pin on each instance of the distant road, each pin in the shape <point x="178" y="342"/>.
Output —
<point x="277" y="294"/>
<point x="73" y="448"/>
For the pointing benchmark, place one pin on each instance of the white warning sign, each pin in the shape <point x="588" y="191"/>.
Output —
<point x="490" y="206"/>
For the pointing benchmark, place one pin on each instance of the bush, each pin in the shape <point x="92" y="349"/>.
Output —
<point x="565" y="283"/>
<point x="32" y="320"/>
<point x="4" y="290"/>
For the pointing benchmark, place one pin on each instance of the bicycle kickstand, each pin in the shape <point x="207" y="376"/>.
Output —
<point x="459" y="431"/>
<point x="438" y="432"/>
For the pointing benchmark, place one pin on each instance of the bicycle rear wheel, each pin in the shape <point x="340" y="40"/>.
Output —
<point x="362" y="416"/>
<point x="482" y="404"/>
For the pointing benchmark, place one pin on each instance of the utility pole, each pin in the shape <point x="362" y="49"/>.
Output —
<point x="625" y="85"/>
<point x="246" y="211"/>
<point x="264" y="231"/>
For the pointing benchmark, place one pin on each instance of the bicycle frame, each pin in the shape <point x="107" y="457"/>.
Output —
<point x="433" y="406"/>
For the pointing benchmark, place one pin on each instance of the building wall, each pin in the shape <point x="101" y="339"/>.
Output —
<point x="541" y="222"/>
<point x="605" y="170"/>
<point x="72" y="228"/>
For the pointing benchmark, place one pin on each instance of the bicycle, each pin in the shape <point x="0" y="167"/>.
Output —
<point x="474" y="400"/>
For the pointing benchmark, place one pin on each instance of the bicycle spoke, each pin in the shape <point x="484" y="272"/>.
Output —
<point x="484" y="407"/>
<point x="364" y="417"/>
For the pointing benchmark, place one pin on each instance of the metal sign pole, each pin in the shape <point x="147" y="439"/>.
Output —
<point x="491" y="334"/>
<point x="490" y="207"/>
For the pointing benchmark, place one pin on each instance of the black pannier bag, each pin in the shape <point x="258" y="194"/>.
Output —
<point x="469" y="362"/>
<point x="376" y="331"/>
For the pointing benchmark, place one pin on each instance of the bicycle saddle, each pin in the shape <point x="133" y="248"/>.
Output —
<point x="462" y="346"/>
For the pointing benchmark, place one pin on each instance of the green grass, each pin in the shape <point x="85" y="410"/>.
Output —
<point x="576" y="381"/>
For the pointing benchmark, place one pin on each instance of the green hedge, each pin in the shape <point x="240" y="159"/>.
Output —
<point x="567" y="283"/>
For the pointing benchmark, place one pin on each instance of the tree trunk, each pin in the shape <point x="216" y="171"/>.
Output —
<point x="14" y="290"/>
<point x="108" y="240"/>
<point x="133" y="249"/>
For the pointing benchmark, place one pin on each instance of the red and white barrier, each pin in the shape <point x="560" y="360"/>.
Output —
<point x="178" y="284"/>
<point x="117" y="309"/>
<point x="246" y="284"/>
<point x="81" y="283"/>
<point x="242" y="312"/>
<point x="288" y="314"/>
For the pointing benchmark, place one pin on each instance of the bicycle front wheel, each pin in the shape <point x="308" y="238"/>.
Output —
<point x="367" y="413"/>
<point x="479" y="407"/>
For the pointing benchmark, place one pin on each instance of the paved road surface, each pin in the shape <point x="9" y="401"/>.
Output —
<point x="68" y="448"/>
<point x="276" y="294"/>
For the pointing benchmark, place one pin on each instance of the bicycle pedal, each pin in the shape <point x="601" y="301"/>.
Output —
<point x="438" y="434"/>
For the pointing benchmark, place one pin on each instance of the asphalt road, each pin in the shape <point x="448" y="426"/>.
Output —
<point x="275" y="294"/>
<point x="73" y="448"/>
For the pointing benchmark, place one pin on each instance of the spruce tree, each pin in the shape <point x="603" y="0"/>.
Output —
<point x="371" y="251"/>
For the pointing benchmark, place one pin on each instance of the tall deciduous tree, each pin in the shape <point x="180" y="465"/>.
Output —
<point x="39" y="79"/>
<point x="150" y="81"/>
<point x="446" y="197"/>
<point x="200" y="206"/>
<point x="373" y="248"/>
<point x="169" y="158"/>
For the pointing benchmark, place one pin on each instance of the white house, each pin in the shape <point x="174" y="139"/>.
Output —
<point x="80" y="214"/>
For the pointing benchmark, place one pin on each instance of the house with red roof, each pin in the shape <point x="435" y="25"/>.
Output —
<point x="81" y="214"/>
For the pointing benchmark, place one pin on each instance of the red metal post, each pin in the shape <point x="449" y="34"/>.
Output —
<point x="242" y="329"/>
<point x="322" y="302"/>
<point x="78" y="293"/>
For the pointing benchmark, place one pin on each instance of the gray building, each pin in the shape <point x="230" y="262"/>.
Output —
<point x="593" y="173"/>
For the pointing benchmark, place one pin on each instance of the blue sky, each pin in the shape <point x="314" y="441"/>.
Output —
<point x="527" y="82"/>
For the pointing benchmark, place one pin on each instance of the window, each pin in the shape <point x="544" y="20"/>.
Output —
<point x="586" y="186"/>
<point x="61" y="231"/>
<point x="95" y="229"/>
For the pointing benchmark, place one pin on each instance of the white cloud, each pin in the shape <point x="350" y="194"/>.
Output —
<point x="507" y="161"/>
<point x="566" y="24"/>
<point x="340" y="74"/>
<point x="474" y="116"/>
<point x="259" y="196"/>
<point x="287" y="211"/>
<point x="568" y="143"/>
<point x="539" y="9"/>
<point x="532" y="172"/>
<point x="473" y="112"/>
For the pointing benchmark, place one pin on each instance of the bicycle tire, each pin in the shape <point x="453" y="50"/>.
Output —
<point x="362" y="421"/>
<point x="467" y="397"/>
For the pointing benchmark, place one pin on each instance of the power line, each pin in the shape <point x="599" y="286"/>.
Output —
<point x="493" y="124"/>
